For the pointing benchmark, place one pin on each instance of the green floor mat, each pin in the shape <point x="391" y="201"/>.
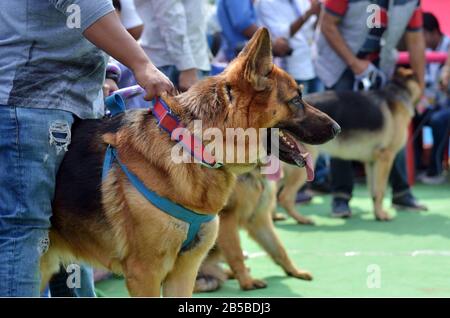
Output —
<point x="357" y="257"/>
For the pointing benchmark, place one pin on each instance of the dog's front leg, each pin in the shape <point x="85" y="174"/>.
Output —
<point x="261" y="229"/>
<point x="369" y="169"/>
<point x="142" y="279"/>
<point x="180" y="281"/>
<point x="229" y="242"/>
<point x="381" y="169"/>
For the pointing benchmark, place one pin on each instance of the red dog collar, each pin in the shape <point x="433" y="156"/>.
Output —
<point x="170" y="122"/>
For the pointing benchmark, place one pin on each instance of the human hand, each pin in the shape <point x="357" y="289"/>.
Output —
<point x="315" y="7"/>
<point x="187" y="78"/>
<point x="153" y="81"/>
<point x="359" y="66"/>
<point x="109" y="87"/>
<point x="281" y="47"/>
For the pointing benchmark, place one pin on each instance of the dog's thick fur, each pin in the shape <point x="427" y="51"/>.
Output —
<point x="374" y="129"/>
<point x="111" y="225"/>
<point x="249" y="207"/>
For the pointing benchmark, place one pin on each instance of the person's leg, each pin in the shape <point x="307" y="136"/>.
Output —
<point x="341" y="186"/>
<point x="418" y="122"/>
<point x="87" y="288"/>
<point x="440" y="125"/>
<point x="60" y="284"/>
<point x="306" y="86"/>
<point x="32" y="145"/>
<point x="203" y="74"/>
<point x="398" y="176"/>
<point x="402" y="197"/>
<point x="341" y="171"/>
<point x="171" y="72"/>
<point x="322" y="173"/>
<point x="315" y="85"/>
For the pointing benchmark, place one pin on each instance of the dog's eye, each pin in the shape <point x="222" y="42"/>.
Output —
<point x="230" y="96"/>
<point x="296" y="101"/>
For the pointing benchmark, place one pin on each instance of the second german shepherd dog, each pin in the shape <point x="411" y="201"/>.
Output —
<point x="111" y="225"/>
<point x="249" y="207"/>
<point x="374" y="129"/>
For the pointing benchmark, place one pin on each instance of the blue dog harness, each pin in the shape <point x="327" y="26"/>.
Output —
<point x="116" y="105"/>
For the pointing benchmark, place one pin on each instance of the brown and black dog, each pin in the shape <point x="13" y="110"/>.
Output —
<point x="374" y="129"/>
<point x="110" y="224"/>
<point x="249" y="207"/>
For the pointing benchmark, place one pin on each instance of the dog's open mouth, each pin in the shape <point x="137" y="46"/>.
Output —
<point x="291" y="150"/>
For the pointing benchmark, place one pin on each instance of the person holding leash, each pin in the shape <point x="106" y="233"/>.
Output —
<point x="52" y="68"/>
<point x="355" y="49"/>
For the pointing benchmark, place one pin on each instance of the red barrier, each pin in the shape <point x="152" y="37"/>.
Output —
<point x="431" y="57"/>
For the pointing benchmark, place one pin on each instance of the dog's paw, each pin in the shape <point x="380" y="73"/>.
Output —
<point x="304" y="220"/>
<point x="278" y="217"/>
<point x="301" y="275"/>
<point x="253" y="284"/>
<point x="206" y="284"/>
<point x="382" y="216"/>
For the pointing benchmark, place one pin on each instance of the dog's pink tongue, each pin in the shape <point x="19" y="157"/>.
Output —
<point x="309" y="168"/>
<point x="309" y="161"/>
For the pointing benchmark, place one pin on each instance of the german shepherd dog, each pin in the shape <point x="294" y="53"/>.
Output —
<point x="110" y="224"/>
<point x="374" y="129"/>
<point x="249" y="207"/>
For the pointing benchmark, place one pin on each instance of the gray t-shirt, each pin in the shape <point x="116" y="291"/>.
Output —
<point x="45" y="62"/>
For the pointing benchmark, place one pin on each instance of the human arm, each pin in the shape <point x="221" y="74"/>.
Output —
<point x="298" y="23"/>
<point x="415" y="43"/>
<point x="100" y="25"/>
<point x="329" y="28"/>
<point x="106" y="33"/>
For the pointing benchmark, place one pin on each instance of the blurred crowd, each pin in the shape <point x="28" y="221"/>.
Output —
<point x="333" y="44"/>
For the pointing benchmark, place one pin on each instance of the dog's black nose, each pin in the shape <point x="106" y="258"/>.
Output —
<point x="336" y="129"/>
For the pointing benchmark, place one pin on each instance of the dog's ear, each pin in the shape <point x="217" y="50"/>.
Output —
<point x="257" y="57"/>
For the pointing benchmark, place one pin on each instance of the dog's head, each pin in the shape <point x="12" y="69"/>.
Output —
<point x="252" y="92"/>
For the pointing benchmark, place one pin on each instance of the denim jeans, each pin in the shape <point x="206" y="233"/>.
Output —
<point x="342" y="172"/>
<point x="32" y="145"/>
<point x="59" y="287"/>
<point x="440" y="124"/>
<point x="173" y="73"/>
<point x="311" y="86"/>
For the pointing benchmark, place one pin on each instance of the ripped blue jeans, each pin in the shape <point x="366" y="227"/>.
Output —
<point x="32" y="145"/>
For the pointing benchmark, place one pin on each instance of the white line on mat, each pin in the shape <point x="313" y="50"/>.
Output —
<point x="359" y="253"/>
